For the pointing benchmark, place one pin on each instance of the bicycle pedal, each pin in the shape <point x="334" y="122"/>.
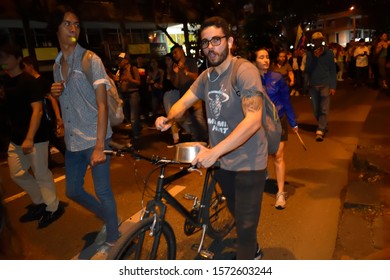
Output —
<point x="189" y="196"/>
<point x="206" y="254"/>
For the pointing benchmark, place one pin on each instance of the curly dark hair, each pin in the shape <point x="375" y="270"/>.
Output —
<point x="57" y="17"/>
<point x="218" y="22"/>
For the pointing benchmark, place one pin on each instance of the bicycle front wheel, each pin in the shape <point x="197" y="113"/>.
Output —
<point x="217" y="216"/>
<point x="138" y="244"/>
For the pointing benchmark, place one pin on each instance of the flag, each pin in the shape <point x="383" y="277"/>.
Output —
<point x="301" y="38"/>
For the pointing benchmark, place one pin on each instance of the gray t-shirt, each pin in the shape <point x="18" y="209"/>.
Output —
<point x="224" y="113"/>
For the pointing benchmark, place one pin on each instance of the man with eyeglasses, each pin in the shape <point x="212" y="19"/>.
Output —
<point x="237" y="139"/>
<point x="84" y="110"/>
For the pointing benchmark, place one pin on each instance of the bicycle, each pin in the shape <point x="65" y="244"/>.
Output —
<point x="153" y="237"/>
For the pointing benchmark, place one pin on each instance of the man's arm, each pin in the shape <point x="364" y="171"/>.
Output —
<point x="252" y="108"/>
<point x="35" y="121"/>
<point x="190" y="73"/>
<point x="98" y="155"/>
<point x="380" y="46"/>
<point x="291" y="78"/>
<point x="56" y="108"/>
<point x="188" y="67"/>
<point x="177" y="110"/>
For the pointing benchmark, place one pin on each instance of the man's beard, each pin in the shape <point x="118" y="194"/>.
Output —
<point x="221" y="57"/>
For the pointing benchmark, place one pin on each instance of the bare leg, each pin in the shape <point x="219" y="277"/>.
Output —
<point x="280" y="171"/>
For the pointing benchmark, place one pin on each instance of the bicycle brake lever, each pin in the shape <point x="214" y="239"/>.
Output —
<point x="113" y="153"/>
<point x="194" y="168"/>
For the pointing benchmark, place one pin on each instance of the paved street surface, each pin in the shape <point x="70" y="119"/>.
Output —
<point x="316" y="225"/>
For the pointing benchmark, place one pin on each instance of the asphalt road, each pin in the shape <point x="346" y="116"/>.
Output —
<point x="305" y="230"/>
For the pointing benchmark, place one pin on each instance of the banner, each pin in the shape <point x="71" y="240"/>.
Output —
<point x="300" y="39"/>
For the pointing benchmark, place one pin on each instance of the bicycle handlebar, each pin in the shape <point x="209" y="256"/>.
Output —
<point x="129" y="150"/>
<point x="153" y="159"/>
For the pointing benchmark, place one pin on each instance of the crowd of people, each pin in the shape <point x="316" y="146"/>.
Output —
<point x="171" y="94"/>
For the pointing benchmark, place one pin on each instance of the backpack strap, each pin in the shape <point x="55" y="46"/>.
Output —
<point x="237" y="63"/>
<point x="86" y="64"/>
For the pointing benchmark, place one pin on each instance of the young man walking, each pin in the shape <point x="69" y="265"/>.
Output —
<point x="87" y="130"/>
<point x="237" y="139"/>
<point x="29" y="144"/>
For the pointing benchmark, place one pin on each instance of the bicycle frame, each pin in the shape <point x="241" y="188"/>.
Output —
<point x="162" y="193"/>
<point x="156" y="208"/>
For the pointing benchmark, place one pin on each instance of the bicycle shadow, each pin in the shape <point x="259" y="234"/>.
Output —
<point x="90" y="247"/>
<point x="271" y="186"/>
<point x="226" y="250"/>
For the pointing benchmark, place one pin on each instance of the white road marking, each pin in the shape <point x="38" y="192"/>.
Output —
<point x="21" y="194"/>
<point x="14" y="197"/>
<point x="174" y="191"/>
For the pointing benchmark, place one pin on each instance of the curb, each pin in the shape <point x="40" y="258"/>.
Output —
<point x="364" y="226"/>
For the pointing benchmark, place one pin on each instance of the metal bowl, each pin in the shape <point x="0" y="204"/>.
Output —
<point x="186" y="152"/>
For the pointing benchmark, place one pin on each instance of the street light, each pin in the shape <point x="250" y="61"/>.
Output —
<point x="354" y="21"/>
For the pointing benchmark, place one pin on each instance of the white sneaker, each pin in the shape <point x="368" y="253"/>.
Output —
<point x="280" y="203"/>
<point x="102" y="235"/>
<point x="103" y="251"/>
<point x="292" y="92"/>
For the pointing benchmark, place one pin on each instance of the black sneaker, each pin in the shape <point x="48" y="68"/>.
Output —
<point x="49" y="217"/>
<point x="34" y="212"/>
<point x="258" y="254"/>
<point x="319" y="138"/>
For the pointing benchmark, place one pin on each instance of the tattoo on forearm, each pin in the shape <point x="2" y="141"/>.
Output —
<point x="251" y="103"/>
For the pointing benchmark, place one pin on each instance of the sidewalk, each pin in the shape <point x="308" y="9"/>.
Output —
<point x="364" y="228"/>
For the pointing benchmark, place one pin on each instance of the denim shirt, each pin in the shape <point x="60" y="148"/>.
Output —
<point x="78" y="100"/>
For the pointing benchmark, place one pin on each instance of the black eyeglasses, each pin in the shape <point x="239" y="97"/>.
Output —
<point x="215" y="41"/>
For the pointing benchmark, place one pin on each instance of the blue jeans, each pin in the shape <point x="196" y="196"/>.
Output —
<point x="320" y="100"/>
<point x="244" y="195"/>
<point x="104" y="207"/>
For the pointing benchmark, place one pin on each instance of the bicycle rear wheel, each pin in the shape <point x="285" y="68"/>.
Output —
<point x="137" y="244"/>
<point x="217" y="216"/>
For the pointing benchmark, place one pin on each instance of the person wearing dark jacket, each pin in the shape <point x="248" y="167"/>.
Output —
<point x="321" y="73"/>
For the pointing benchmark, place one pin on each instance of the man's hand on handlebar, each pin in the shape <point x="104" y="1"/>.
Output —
<point x="205" y="157"/>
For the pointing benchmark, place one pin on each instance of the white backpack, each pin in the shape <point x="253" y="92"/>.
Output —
<point x="114" y="102"/>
